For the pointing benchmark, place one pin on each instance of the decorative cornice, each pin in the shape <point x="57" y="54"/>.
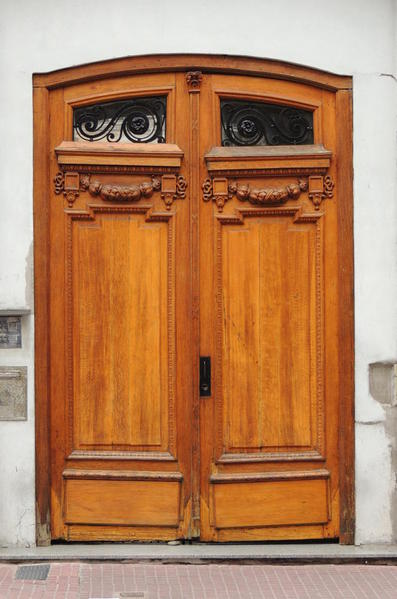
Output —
<point x="269" y="172"/>
<point x="118" y="169"/>
<point x="193" y="80"/>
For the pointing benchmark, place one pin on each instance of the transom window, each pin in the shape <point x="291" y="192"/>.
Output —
<point x="133" y="120"/>
<point x="247" y="123"/>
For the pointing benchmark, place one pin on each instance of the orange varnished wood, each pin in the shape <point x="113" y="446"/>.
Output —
<point x="269" y="298"/>
<point x="191" y="62"/>
<point x="41" y="269"/>
<point x="273" y="503"/>
<point x="346" y="316"/>
<point x="298" y="159"/>
<point x="118" y="373"/>
<point x="136" y="290"/>
<point x="123" y="502"/>
<point x="150" y="155"/>
<point x="269" y="335"/>
<point x="121" y="324"/>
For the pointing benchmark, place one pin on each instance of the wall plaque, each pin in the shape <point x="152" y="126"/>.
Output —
<point x="13" y="393"/>
<point x="10" y="332"/>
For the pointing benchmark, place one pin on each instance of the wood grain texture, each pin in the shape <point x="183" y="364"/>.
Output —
<point x="122" y="502"/>
<point x="272" y="503"/>
<point x="78" y="474"/>
<point x="266" y="159"/>
<point x="194" y="82"/>
<point x="122" y="154"/>
<point x="157" y="63"/>
<point x="274" y="344"/>
<point x="113" y="299"/>
<point x="129" y="294"/>
<point x="41" y="268"/>
<point x="123" y="322"/>
<point x="269" y="293"/>
<point x="346" y="315"/>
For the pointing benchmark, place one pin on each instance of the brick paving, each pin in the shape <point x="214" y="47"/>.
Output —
<point x="208" y="581"/>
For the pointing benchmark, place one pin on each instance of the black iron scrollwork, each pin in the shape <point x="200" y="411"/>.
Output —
<point x="136" y="120"/>
<point x="257" y="124"/>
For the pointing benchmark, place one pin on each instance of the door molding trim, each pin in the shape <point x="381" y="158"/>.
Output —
<point x="210" y="63"/>
<point x="43" y="83"/>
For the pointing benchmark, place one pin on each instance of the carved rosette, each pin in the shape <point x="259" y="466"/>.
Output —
<point x="172" y="187"/>
<point x="193" y="80"/>
<point x="320" y="188"/>
<point x="219" y="190"/>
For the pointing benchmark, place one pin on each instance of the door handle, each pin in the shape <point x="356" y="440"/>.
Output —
<point x="205" y="376"/>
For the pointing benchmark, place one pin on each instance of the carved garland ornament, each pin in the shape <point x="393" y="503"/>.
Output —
<point x="219" y="190"/>
<point x="111" y="192"/>
<point x="170" y="186"/>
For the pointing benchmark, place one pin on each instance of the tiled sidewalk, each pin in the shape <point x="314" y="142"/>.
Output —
<point x="172" y="581"/>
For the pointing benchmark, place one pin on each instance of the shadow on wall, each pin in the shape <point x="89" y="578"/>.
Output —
<point x="383" y="388"/>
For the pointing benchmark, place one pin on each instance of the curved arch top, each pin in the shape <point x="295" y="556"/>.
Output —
<point x="210" y="63"/>
<point x="111" y="241"/>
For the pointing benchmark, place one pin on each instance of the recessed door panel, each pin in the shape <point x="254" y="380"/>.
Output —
<point x="123" y="329"/>
<point x="270" y="312"/>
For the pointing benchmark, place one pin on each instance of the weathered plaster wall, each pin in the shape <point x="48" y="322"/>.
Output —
<point x="356" y="37"/>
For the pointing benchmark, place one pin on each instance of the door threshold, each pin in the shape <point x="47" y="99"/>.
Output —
<point x="296" y="553"/>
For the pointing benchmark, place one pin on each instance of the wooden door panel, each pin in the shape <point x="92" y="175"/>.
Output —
<point x="270" y="221"/>
<point x="120" y="417"/>
<point x="282" y="500"/>
<point x="123" y="329"/>
<point x="90" y="499"/>
<point x="242" y="264"/>
<point x="269" y="320"/>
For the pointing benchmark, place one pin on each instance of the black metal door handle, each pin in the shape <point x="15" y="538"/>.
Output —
<point x="205" y="376"/>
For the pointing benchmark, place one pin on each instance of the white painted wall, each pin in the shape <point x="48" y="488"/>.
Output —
<point x="356" y="37"/>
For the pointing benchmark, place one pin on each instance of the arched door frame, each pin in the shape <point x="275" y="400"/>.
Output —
<point x="43" y="83"/>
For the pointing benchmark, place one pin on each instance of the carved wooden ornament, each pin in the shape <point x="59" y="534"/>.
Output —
<point x="172" y="188"/>
<point x="193" y="80"/>
<point x="219" y="190"/>
<point x="120" y="193"/>
<point x="70" y="184"/>
<point x="320" y="188"/>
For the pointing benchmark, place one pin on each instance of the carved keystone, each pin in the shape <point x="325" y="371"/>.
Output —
<point x="193" y="80"/>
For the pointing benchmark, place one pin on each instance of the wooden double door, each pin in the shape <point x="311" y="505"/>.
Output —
<point x="193" y="325"/>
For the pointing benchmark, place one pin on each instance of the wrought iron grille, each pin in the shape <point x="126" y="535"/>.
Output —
<point x="134" y="120"/>
<point x="259" y="124"/>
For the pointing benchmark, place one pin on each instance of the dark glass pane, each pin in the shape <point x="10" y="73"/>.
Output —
<point x="134" y="120"/>
<point x="259" y="124"/>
